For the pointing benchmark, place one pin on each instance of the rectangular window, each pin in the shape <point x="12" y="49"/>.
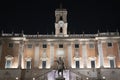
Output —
<point x="77" y="64"/>
<point x="60" y="45"/>
<point x="28" y="65"/>
<point x="8" y="64"/>
<point x="112" y="64"/>
<point x="91" y="45"/>
<point x="29" y="45"/>
<point x="92" y="64"/>
<point x="44" y="45"/>
<point x="10" y="45"/>
<point x="43" y="64"/>
<point x="76" y="45"/>
<point x="109" y="44"/>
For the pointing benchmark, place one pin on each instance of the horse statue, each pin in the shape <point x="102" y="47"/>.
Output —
<point x="60" y="66"/>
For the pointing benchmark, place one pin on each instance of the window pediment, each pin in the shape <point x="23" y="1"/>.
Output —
<point x="28" y="59"/>
<point x="110" y="57"/>
<point x="77" y="58"/>
<point x="44" y="59"/>
<point x="92" y="58"/>
<point x="9" y="57"/>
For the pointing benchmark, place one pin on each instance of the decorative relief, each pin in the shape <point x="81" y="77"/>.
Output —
<point x="76" y="54"/>
<point x="44" y="55"/>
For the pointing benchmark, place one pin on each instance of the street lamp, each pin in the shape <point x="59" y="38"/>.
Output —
<point x="16" y="78"/>
<point x="33" y="78"/>
<point x="103" y="77"/>
<point x="87" y="78"/>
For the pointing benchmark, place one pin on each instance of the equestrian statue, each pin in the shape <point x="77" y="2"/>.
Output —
<point x="60" y="66"/>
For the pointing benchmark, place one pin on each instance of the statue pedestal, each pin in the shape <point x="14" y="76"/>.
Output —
<point x="60" y="78"/>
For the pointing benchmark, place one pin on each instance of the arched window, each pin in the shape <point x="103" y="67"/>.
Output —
<point x="61" y="30"/>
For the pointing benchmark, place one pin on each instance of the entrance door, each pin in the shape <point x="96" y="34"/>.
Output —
<point x="92" y="64"/>
<point x="112" y="64"/>
<point x="43" y="64"/>
<point x="77" y="64"/>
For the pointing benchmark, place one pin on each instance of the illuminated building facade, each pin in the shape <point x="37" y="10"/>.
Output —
<point x="86" y="56"/>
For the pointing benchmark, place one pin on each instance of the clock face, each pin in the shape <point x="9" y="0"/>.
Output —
<point x="61" y="23"/>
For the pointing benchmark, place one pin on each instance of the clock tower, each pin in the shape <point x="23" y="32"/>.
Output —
<point x="61" y="22"/>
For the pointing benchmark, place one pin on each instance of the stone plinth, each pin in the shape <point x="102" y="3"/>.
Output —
<point x="60" y="78"/>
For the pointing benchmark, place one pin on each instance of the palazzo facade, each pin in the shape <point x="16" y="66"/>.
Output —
<point x="86" y="56"/>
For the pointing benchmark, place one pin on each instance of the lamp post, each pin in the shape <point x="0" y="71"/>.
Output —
<point x="103" y="77"/>
<point x="17" y="78"/>
<point x="33" y="78"/>
<point x="87" y="78"/>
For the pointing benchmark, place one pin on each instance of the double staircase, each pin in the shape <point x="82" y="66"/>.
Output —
<point x="80" y="76"/>
<point x="43" y="76"/>
<point x="76" y="72"/>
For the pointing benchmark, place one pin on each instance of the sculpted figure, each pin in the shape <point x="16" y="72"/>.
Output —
<point x="60" y="66"/>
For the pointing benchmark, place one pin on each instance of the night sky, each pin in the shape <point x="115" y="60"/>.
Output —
<point x="39" y="16"/>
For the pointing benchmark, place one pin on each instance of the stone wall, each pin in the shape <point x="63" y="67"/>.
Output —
<point x="69" y="74"/>
<point x="10" y="74"/>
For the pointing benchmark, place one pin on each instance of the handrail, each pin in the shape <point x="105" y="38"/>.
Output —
<point x="82" y="75"/>
<point x="42" y="74"/>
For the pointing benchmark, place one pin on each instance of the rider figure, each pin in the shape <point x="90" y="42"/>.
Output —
<point x="60" y="65"/>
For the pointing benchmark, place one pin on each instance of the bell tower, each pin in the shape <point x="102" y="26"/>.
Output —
<point x="61" y="22"/>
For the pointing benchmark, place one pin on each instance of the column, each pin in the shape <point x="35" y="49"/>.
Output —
<point x="0" y="53"/>
<point x="20" y="55"/>
<point x="36" y="57"/>
<point x="51" y="55"/>
<point x="119" y="50"/>
<point x="100" y="54"/>
<point x="84" y="55"/>
<point x="69" y="55"/>
<point x="0" y="50"/>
